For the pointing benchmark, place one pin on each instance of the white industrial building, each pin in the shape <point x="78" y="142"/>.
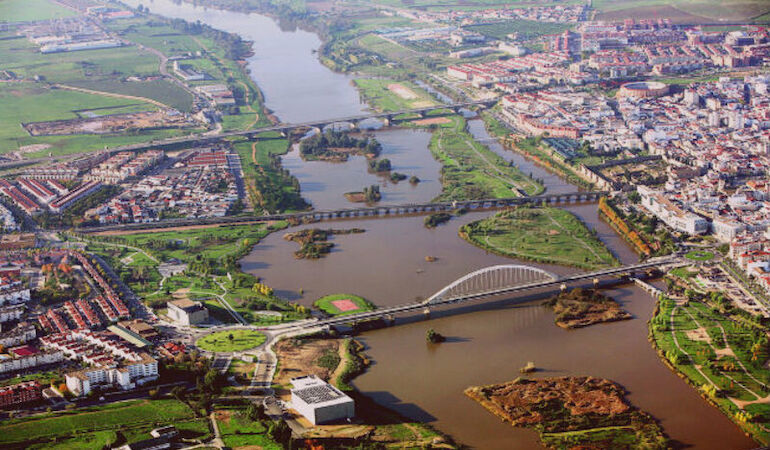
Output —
<point x="319" y="402"/>
<point x="670" y="213"/>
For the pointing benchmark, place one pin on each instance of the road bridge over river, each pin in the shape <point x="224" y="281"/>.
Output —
<point x="484" y="283"/>
<point x="283" y="128"/>
<point x="368" y="211"/>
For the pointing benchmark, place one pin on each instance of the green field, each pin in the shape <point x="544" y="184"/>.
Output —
<point x="29" y="10"/>
<point x="231" y="341"/>
<point x="692" y="11"/>
<point x="96" y="424"/>
<point x="378" y="95"/>
<point x="325" y="304"/>
<point x="472" y="171"/>
<point x="721" y="354"/>
<point x="527" y="29"/>
<point x="162" y="91"/>
<point x="699" y="255"/>
<point x="548" y="235"/>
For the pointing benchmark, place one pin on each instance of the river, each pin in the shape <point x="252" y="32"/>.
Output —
<point x="386" y="264"/>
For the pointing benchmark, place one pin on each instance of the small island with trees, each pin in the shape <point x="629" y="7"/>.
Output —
<point x="434" y="337"/>
<point x="580" y="308"/>
<point x="370" y="194"/>
<point x="337" y="146"/>
<point x="314" y="241"/>
<point x="572" y="412"/>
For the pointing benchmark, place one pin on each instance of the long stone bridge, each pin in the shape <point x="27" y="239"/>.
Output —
<point x="283" y="128"/>
<point x="369" y="211"/>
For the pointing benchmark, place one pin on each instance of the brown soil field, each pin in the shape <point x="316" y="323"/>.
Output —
<point x="516" y="401"/>
<point x="300" y="358"/>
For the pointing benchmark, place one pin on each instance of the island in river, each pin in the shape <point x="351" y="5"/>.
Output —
<point x="580" y="308"/>
<point x="313" y="241"/>
<point x="572" y="412"/>
<point x="540" y="234"/>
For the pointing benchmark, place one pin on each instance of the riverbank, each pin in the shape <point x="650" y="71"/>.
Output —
<point x="572" y="412"/>
<point x="546" y="235"/>
<point x="720" y="355"/>
<point x="338" y="361"/>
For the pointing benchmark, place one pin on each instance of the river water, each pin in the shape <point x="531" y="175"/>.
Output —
<point x="386" y="264"/>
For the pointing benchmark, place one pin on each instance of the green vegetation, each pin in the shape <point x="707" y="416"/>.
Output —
<point x="337" y="145"/>
<point x="211" y="254"/>
<point x="231" y="341"/>
<point x="163" y="91"/>
<point x="720" y="351"/>
<point x="99" y="423"/>
<point x="434" y="337"/>
<point x="699" y="255"/>
<point x="390" y="95"/>
<point x="688" y="11"/>
<point x="29" y="10"/>
<point x="326" y="304"/>
<point x="534" y="148"/>
<point x="436" y="219"/>
<point x="547" y="235"/>
<point x="313" y="241"/>
<point x="472" y="171"/>
<point x="580" y="308"/>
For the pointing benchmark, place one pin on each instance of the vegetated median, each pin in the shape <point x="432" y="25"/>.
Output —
<point x="343" y="304"/>
<point x="572" y="412"/>
<point x="231" y="341"/>
<point x="720" y="351"/>
<point x="540" y="234"/>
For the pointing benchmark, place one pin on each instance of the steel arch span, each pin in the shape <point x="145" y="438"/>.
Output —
<point x="491" y="280"/>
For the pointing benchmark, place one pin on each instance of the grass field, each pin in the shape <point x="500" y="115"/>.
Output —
<point x="29" y="10"/>
<point x="719" y="354"/>
<point x="327" y="304"/>
<point x="548" y="235"/>
<point x="383" y="95"/>
<point x="699" y="255"/>
<point x="472" y="171"/>
<point x="682" y="11"/>
<point x="222" y="342"/>
<point x="162" y="91"/>
<point x="91" y="425"/>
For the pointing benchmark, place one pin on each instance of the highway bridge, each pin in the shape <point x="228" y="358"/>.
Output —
<point x="283" y="128"/>
<point x="368" y="211"/>
<point x="490" y="282"/>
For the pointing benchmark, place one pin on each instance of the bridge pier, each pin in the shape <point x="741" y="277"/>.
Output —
<point x="596" y="283"/>
<point x="563" y="287"/>
<point x="390" y="319"/>
<point x="426" y="312"/>
<point x="387" y="120"/>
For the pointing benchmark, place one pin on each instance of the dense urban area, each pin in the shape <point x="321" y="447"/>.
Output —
<point x="384" y="224"/>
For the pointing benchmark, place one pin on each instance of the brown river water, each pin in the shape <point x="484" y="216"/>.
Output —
<point x="488" y="342"/>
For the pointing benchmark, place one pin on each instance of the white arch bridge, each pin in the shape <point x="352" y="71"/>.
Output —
<point x="493" y="281"/>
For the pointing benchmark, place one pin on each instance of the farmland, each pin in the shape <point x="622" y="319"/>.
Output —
<point x="96" y="424"/>
<point x="683" y="11"/>
<point x="28" y="10"/>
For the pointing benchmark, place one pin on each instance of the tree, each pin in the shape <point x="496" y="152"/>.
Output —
<point x="434" y="337"/>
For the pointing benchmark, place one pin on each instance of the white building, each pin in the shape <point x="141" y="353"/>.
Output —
<point x="319" y="402"/>
<point x="124" y="377"/>
<point x="29" y="361"/>
<point x="187" y="312"/>
<point x="672" y="214"/>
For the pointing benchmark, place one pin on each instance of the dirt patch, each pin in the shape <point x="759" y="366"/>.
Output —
<point x="300" y="357"/>
<point x="553" y="232"/>
<point x="432" y="121"/>
<point x="699" y="335"/>
<point x="402" y="91"/>
<point x="518" y="401"/>
<point x="33" y="148"/>
<point x="422" y="104"/>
